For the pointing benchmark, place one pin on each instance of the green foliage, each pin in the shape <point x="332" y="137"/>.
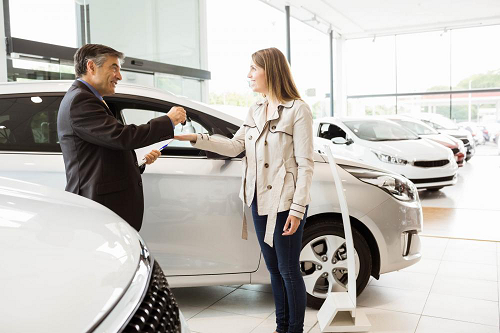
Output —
<point x="234" y="98"/>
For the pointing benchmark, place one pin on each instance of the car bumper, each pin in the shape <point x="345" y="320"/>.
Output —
<point x="402" y="241"/>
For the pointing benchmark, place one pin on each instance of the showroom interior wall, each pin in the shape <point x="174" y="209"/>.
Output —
<point x="452" y="72"/>
<point x="154" y="32"/>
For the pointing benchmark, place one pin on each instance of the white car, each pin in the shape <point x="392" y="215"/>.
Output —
<point x="446" y="126"/>
<point x="69" y="264"/>
<point x="193" y="216"/>
<point x="387" y="145"/>
<point x="425" y="131"/>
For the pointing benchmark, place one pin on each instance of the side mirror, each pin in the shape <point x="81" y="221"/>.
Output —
<point x="339" y="141"/>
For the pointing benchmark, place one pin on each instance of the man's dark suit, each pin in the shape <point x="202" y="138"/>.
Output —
<point x="99" y="152"/>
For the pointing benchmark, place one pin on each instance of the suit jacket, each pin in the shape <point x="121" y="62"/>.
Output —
<point x="99" y="155"/>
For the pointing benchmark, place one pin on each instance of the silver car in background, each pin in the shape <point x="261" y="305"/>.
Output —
<point x="192" y="219"/>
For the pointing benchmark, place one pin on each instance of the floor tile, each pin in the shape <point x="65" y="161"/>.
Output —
<point x="472" y="245"/>
<point x="432" y="252"/>
<point x="384" y="321"/>
<point x="258" y="287"/>
<point x="467" y="270"/>
<point x="269" y="325"/>
<point x="438" y="242"/>
<point x="190" y="311"/>
<point x="478" y="256"/>
<point x="212" y="321"/>
<point x="410" y="301"/>
<point x="405" y="280"/>
<point x="424" y="266"/>
<point x="461" y="308"/>
<point x="463" y="287"/>
<point x="200" y="296"/>
<point x="248" y="303"/>
<point x="439" y="325"/>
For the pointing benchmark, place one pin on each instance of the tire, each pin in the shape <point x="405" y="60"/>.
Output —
<point x="434" y="189"/>
<point x="318" y="235"/>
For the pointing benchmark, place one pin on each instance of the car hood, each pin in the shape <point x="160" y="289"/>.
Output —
<point x="458" y="133"/>
<point x="443" y="139"/>
<point x="410" y="150"/>
<point x="66" y="260"/>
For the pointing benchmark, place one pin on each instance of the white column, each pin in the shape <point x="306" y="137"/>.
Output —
<point x="3" y="50"/>
<point x="340" y="96"/>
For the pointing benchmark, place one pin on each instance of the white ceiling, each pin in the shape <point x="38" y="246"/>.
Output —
<point x="368" y="18"/>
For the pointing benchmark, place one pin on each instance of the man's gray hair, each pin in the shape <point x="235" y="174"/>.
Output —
<point x="97" y="53"/>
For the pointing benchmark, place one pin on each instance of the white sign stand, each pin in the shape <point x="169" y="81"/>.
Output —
<point x="339" y="313"/>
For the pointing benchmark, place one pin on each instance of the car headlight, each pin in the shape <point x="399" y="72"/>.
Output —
<point x="398" y="186"/>
<point x="390" y="159"/>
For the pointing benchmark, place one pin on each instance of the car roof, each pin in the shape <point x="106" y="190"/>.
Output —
<point x="61" y="86"/>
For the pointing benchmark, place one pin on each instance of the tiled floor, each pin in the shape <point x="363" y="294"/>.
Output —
<point x="447" y="293"/>
<point x="453" y="289"/>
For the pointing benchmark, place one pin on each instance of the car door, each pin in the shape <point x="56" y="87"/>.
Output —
<point x="192" y="214"/>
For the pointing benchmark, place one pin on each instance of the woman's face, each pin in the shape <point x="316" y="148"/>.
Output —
<point x="257" y="78"/>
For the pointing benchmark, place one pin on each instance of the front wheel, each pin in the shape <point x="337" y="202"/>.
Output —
<point x="324" y="253"/>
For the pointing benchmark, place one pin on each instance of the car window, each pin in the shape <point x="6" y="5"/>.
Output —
<point x="330" y="131"/>
<point x="142" y="116"/>
<point x="29" y="123"/>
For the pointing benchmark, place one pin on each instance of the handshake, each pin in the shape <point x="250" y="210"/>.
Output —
<point x="177" y="114"/>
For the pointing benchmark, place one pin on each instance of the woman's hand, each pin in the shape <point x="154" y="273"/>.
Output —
<point x="152" y="156"/>
<point x="186" y="137"/>
<point x="291" y="225"/>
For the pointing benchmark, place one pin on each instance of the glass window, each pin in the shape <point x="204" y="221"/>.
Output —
<point x="311" y="66"/>
<point x="370" y="66"/>
<point x="371" y="106"/>
<point x="423" y="62"/>
<point x="416" y="127"/>
<point x="475" y="60"/>
<point x="166" y="31"/>
<point x="189" y="88"/>
<point x="47" y="21"/>
<point x="29" y="124"/>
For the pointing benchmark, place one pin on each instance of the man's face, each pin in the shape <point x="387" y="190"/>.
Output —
<point x="106" y="77"/>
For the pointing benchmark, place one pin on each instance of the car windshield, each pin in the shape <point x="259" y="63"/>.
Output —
<point x="440" y="122"/>
<point x="379" y="130"/>
<point x="416" y="127"/>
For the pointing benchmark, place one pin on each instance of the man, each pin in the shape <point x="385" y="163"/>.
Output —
<point x="98" y="150"/>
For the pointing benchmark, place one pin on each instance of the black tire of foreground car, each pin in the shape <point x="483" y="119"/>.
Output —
<point x="317" y="230"/>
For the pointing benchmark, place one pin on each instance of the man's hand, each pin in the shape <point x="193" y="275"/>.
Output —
<point x="152" y="156"/>
<point x="186" y="137"/>
<point x="177" y="114"/>
<point x="291" y="225"/>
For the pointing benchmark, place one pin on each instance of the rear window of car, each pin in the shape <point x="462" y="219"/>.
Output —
<point x="29" y="123"/>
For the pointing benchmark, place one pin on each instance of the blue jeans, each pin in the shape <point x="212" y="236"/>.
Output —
<point x="282" y="261"/>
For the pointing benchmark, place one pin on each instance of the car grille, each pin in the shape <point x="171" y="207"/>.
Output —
<point x="455" y="151"/>
<point x="431" y="164"/>
<point x="432" y="180"/>
<point x="158" y="311"/>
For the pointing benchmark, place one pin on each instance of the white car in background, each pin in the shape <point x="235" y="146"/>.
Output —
<point x="69" y="264"/>
<point x="447" y="126"/>
<point x="387" y="145"/>
<point x="193" y="215"/>
<point x="425" y="131"/>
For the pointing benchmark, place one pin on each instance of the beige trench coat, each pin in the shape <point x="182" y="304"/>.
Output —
<point x="278" y="165"/>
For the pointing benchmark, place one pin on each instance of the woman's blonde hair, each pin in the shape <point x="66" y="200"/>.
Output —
<point x="279" y="78"/>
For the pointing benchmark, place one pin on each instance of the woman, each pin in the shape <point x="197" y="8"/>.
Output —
<point x="278" y="167"/>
